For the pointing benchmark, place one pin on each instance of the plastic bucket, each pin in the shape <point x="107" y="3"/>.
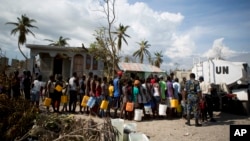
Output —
<point x="64" y="99"/>
<point x="148" y="109"/>
<point x="104" y="104"/>
<point x="137" y="137"/>
<point x="129" y="106"/>
<point x="118" y="124"/>
<point x="91" y="102"/>
<point x="85" y="101"/>
<point x="130" y="127"/>
<point x="138" y="115"/>
<point x="162" y="109"/>
<point x="179" y="109"/>
<point x="174" y="103"/>
<point x="47" y="102"/>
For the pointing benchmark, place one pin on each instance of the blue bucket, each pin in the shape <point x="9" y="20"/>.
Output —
<point x="91" y="102"/>
<point x="147" y="104"/>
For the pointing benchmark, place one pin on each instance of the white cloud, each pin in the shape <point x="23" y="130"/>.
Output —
<point x="78" y="20"/>
<point x="147" y="24"/>
<point x="219" y="49"/>
<point x="181" y="46"/>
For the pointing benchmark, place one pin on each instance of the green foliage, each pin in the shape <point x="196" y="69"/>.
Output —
<point x="23" y="28"/>
<point x="158" y="59"/>
<point x="62" y="42"/>
<point x="142" y="51"/>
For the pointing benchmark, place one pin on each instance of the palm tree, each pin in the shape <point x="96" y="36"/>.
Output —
<point x="158" y="59"/>
<point x="23" y="28"/>
<point x="62" y="42"/>
<point x="142" y="51"/>
<point x="128" y="58"/>
<point x="120" y="32"/>
<point x="151" y="60"/>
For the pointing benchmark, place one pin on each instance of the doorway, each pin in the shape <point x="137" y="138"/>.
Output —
<point x="58" y="62"/>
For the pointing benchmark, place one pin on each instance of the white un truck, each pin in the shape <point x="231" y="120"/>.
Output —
<point x="230" y="78"/>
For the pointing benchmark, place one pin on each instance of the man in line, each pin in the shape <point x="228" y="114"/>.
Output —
<point x="192" y="90"/>
<point x="73" y="85"/>
<point x="117" y="92"/>
<point x="206" y="96"/>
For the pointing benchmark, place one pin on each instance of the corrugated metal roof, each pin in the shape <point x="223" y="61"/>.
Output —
<point x="138" y="67"/>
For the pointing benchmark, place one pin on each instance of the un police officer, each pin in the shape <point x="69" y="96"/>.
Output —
<point x="192" y="90"/>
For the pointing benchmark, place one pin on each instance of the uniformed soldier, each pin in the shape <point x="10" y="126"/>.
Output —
<point x="192" y="90"/>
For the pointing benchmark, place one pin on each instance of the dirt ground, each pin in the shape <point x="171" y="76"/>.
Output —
<point x="175" y="129"/>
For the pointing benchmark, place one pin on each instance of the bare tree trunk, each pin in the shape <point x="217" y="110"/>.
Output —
<point x="26" y="58"/>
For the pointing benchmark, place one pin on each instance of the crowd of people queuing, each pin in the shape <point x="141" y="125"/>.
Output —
<point x="193" y="95"/>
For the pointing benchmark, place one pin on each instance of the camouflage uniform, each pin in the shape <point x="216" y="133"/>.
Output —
<point x="192" y="89"/>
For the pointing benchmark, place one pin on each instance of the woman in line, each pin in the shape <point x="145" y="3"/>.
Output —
<point x="50" y="89"/>
<point x="58" y="92"/>
<point x="156" y="96"/>
<point x="37" y="88"/>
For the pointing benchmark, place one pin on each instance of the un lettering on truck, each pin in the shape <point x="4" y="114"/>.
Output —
<point x="229" y="77"/>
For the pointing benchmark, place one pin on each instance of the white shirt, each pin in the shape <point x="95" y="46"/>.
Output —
<point x="205" y="87"/>
<point x="177" y="87"/>
<point x="37" y="85"/>
<point x="156" y="90"/>
<point x="72" y="84"/>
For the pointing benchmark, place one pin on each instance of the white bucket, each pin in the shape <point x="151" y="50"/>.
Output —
<point x="148" y="110"/>
<point x="138" y="115"/>
<point x="162" y="109"/>
<point x="125" y="137"/>
<point x="138" y="137"/>
<point x="131" y="127"/>
<point x="118" y="124"/>
<point x="128" y="128"/>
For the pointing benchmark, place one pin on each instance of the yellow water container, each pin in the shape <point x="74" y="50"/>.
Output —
<point x="179" y="109"/>
<point x="64" y="99"/>
<point x="174" y="103"/>
<point x="59" y="88"/>
<point x="85" y="101"/>
<point x="104" y="104"/>
<point x="47" y="102"/>
<point x="129" y="106"/>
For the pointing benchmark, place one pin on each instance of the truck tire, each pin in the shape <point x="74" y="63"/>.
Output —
<point x="246" y="106"/>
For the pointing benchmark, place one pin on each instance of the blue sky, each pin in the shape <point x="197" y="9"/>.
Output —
<point x="181" y="29"/>
<point x="226" y="18"/>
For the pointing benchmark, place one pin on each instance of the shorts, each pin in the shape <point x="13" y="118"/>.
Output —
<point x="157" y="99"/>
<point x="116" y="102"/>
<point x="99" y="100"/>
<point x="35" y="96"/>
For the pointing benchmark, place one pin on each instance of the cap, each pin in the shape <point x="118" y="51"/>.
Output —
<point x="152" y="81"/>
<point x="119" y="73"/>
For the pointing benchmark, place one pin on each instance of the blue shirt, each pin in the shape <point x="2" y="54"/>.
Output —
<point x="117" y="90"/>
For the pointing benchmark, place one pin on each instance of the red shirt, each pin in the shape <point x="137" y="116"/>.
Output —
<point x="98" y="91"/>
